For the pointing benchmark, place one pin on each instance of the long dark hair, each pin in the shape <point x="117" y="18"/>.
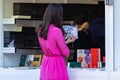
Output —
<point x="52" y="15"/>
<point x="82" y="16"/>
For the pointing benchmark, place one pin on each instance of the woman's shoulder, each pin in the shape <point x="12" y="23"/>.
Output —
<point x="56" y="29"/>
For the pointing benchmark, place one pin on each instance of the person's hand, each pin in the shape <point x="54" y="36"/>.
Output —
<point x="84" y="26"/>
<point x="71" y="39"/>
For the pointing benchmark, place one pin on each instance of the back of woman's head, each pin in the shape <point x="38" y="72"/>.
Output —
<point x="82" y="16"/>
<point x="52" y="15"/>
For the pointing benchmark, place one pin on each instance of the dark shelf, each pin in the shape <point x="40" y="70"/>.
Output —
<point x="36" y="10"/>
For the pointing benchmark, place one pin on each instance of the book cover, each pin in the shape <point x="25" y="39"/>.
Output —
<point x="42" y="56"/>
<point x="22" y="60"/>
<point x="36" y="60"/>
<point x="87" y="58"/>
<point x="74" y="64"/>
<point x="94" y="57"/>
<point x="70" y="30"/>
<point x="81" y="56"/>
<point x="29" y="60"/>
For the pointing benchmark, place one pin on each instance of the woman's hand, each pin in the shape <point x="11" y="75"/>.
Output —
<point x="71" y="39"/>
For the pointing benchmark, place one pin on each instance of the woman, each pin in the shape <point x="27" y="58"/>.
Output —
<point x="97" y="31"/>
<point x="51" y="39"/>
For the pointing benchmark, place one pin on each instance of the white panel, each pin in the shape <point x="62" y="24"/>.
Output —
<point x="13" y="28"/>
<point x="1" y="33"/>
<point x="8" y="21"/>
<point x="114" y="79"/>
<point x="17" y="78"/>
<point x="109" y="37"/>
<point x="83" y="1"/>
<point x="99" y="78"/>
<point x="9" y="50"/>
<point x="86" y="74"/>
<point x="114" y="76"/>
<point x="24" y="1"/>
<point x="11" y="22"/>
<point x="11" y="60"/>
<point x="117" y="33"/>
<point x="50" y="1"/>
<point x="19" y="74"/>
<point x="80" y="78"/>
<point x="8" y="8"/>
<point x="26" y="73"/>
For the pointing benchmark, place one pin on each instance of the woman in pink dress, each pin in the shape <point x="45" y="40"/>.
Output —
<point x="53" y="45"/>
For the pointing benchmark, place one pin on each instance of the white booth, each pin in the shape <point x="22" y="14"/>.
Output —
<point x="111" y="70"/>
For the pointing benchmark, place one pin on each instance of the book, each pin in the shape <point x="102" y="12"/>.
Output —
<point x="74" y="64"/>
<point x="21" y="17"/>
<point x="87" y="58"/>
<point x="81" y="56"/>
<point x="70" y="30"/>
<point x="33" y="60"/>
<point x="29" y="60"/>
<point x="42" y="56"/>
<point x="22" y="60"/>
<point x="94" y="57"/>
<point x="36" y="60"/>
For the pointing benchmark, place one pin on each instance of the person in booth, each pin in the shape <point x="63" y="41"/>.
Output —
<point x="97" y="31"/>
<point x="82" y="19"/>
<point x="53" y="45"/>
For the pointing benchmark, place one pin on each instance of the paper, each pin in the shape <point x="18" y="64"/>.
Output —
<point x="70" y="30"/>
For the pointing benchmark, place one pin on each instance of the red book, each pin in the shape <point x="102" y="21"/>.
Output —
<point x="94" y="57"/>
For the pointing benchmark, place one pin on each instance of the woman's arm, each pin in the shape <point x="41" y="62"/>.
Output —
<point x="61" y="43"/>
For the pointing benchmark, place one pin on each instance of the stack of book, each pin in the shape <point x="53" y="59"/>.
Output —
<point x="89" y="58"/>
<point x="31" y="60"/>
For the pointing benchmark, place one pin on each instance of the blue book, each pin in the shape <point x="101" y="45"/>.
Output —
<point x="22" y="60"/>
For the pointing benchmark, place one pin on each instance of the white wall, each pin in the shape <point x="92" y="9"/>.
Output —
<point x="1" y="34"/>
<point x="109" y="37"/>
<point x="8" y="8"/>
<point x="117" y="34"/>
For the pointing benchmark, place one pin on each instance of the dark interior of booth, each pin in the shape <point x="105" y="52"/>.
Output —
<point x="27" y="38"/>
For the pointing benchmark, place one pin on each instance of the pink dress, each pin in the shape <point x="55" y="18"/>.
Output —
<point x="53" y="65"/>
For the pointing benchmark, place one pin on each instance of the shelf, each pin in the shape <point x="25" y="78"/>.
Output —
<point x="8" y="21"/>
<point x="28" y="51"/>
<point x="9" y="50"/>
<point x="21" y="50"/>
<point x="21" y="21"/>
<point x="83" y="1"/>
<point x="16" y="20"/>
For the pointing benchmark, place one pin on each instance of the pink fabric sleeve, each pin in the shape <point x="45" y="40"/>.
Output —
<point x="61" y="43"/>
